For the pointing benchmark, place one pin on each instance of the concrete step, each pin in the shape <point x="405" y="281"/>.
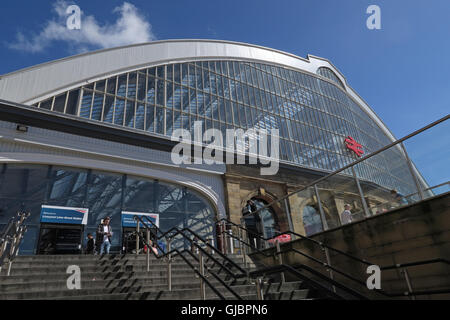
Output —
<point x="155" y="296"/>
<point x="128" y="261"/>
<point x="48" y="274"/>
<point x="179" y="294"/>
<point x="193" y="286"/>
<point x="59" y="288"/>
<point x="90" y="268"/>
<point x="126" y="277"/>
<point x="14" y="286"/>
<point x="54" y="257"/>
<point x="301" y="294"/>
<point x="87" y="265"/>
<point x="112" y="257"/>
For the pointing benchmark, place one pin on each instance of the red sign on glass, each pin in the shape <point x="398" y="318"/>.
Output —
<point x="281" y="238"/>
<point x="354" y="146"/>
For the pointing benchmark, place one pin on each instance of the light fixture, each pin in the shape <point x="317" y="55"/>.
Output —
<point x="22" y="128"/>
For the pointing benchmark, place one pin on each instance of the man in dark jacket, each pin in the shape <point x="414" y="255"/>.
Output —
<point x="90" y="246"/>
<point x="104" y="234"/>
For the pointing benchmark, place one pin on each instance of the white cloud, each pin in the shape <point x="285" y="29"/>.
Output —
<point x="130" y="27"/>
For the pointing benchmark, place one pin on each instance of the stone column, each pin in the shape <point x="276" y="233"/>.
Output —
<point x="297" y="203"/>
<point x="233" y="193"/>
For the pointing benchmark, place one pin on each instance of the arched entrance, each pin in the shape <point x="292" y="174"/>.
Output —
<point x="263" y="223"/>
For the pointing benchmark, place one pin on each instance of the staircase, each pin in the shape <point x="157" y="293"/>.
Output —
<point x="125" y="277"/>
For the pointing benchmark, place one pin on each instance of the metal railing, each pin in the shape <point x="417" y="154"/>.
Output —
<point x="201" y="271"/>
<point x="326" y="263"/>
<point x="11" y="238"/>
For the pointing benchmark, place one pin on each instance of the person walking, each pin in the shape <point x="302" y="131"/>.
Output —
<point x="397" y="199"/>
<point x="104" y="234"/>
<point x="346" y="215"/>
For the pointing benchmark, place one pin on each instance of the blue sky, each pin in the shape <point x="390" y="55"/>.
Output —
<point x="402" y="70"/>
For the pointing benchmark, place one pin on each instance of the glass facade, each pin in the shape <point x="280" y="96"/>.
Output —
<point x="27" y="187"/>
<point x="311" y="220"/>
<point x="313" y="113"/>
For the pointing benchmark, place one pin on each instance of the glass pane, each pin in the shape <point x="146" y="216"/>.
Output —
<point x="140" y="116"/>
<point x="177" y="73"/>
<point x="159" y="120"/>
<point x="169" y="122"/>
<point x="160" y="93"/>
<point x="150" y="117"/>
<point x="67" y="187"/>
<point x="119" y="111"/>
<point x="97" y="106"/>
<point x="100" y="85"/>
<point x="122" y="85"/>
<point x="177" y="97"/>
<point x="72" y="102"/>
<point x="142" y="79"/>
<point x="111" y="85"/>
<point x="60" y="102"/>
<point x="86" y="102"/>
<point x="131" y="92"/>
<point x="151" y="90"/>
<point x="129" y="119"/>
<point x="108" y="109"/>
<point x="305" y="213"/>
<point x="169" y="69"/>
<point x="47" y="104"/>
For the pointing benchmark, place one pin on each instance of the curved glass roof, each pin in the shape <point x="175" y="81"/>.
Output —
<point x="313" y="115"/>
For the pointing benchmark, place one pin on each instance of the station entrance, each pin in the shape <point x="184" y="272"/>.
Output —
<point x="60" y="239"/>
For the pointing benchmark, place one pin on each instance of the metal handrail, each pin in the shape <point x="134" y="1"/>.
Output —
<point x="7" y="229"/>
<point x="321" y="244"/>
<point x="178" y="231"/>
<point x="316" y="285"/>
<point x="428" y="189"/>
<point x="330" y="267"/>
<point x="11" y="239"/>
<point x="180" y="253"/>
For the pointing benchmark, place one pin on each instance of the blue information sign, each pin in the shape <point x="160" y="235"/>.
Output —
<point x="128" y="218"/>
<point x="54" y="214"/>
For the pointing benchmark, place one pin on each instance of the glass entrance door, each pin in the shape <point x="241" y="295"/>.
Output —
<point x="60" y="239"/>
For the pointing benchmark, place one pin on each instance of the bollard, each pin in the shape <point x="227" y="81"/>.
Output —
<point x="408" y="283"/>
<point x="280" y="258"/>
<point x="259" y="291"/>
<point x="212" y="246"/>
<point x="230" y="233"/>
<point x="202" y="272"/>
<point x="169" y="266"/>
<point x="137" y="237"/>
<point x="148" y="250"/>
<point x="327" y="257"/>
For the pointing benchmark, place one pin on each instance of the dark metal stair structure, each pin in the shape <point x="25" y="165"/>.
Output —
<point x="322" y="276"/>
<point x="234" y="271"/>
